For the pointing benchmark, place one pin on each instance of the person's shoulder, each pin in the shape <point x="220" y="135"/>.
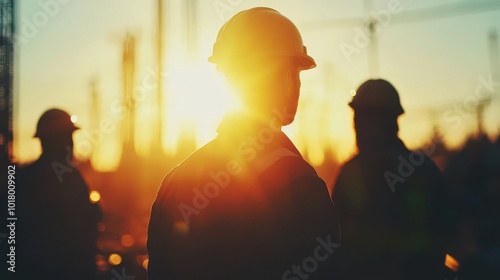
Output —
<point x="422" y="161"/>
<point x="351" y="165"/>
<point x="425" y="172"/>
<point x="201" y="155"/>
<point x="31" y="166"/>
<point x="347" y="169"/>
<point x="283" y="167"/>
<point x="352" y="161"/>
<point x="30" y="171"/>
<point x="190" y="166"/>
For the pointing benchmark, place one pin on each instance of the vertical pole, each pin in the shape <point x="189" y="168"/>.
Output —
<point x="6" y="79"/>
<point x="159" y="54"/>
<point x="494" y="55"/>
<point x="191" y="10"/>
<point x="494" y="60"/>
<point x="372" y="25"/>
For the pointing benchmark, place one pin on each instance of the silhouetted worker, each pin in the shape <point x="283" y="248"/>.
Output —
<point x="388" y="197"/>
<point x="473" y="172"/>
<point x="247" y="205"/>
<point x="58" y="223"/>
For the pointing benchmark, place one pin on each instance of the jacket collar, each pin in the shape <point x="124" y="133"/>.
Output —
<point x="241" y="126"/>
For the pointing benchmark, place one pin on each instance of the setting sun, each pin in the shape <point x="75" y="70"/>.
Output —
<point x="197" y="99"/>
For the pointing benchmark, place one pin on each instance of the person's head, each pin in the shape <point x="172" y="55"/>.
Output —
<point x="261" y="53"/>
<point x="55" y="131"/>
<point x="376" y="108"/>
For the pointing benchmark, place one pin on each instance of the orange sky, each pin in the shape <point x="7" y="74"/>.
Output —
<point x="436" y="65"/>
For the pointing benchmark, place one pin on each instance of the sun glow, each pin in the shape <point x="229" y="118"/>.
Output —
<point x="197" y="98"/>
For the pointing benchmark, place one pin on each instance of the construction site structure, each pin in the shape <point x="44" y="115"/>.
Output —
<point x="128" y="83"/>
<point x="6" y="78"/>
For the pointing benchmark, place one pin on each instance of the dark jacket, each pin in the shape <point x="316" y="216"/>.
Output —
<point x="391" y="207"/>
<point x="244" y="206"/>
<point x="58" y="223"/>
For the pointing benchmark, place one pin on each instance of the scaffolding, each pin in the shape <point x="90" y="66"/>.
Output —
<point x="6" y="81"/>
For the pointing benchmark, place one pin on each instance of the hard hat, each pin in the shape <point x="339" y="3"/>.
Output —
<point x="54" y="121"/>
<point x="377" y="96"/>
<point x="259" y="33"/>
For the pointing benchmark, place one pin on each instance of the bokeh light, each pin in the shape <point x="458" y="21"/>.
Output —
<point x="114" y="259"/>
<point x="94" y="196"/>
<point x="181" y="227"/>
<point x="101" y="227"/>
<point x="451" y="263"/>
<point x="145" y="264"/>
<point x="127" y="240"/>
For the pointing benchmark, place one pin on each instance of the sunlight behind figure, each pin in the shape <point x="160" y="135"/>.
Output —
<point x="247" y="205"/>
<point x="194" y="86"/>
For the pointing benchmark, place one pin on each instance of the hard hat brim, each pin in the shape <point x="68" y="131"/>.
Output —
<point x="39" y="135"/>
<point x="306" y="62"/>
<point x="397" y="112"/>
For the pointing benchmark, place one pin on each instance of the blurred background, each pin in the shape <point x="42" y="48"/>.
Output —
<point x="135" y="78"/>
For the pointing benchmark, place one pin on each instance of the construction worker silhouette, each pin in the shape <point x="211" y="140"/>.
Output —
<point x="389" y="198"/>
<point x="473" y="173"/>
<point x="58" y="223"/>
<point x="246" y="205"/>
